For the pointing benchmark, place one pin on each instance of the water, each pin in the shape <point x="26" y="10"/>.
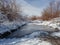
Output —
<point x="30" y="36"/>
<point x="30" y="28"/>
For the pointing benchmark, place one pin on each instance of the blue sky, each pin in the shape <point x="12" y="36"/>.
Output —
<point x="33" y="7"/>
<point x="38" y="3"/>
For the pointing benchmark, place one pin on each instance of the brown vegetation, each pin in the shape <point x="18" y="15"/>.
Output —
<point x="52" y="40"/>
<point x="52" y="11"/>
<point x="35" y="18"/>
<point x="10" y="9"/>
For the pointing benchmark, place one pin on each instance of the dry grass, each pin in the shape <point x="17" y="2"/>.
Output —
<point x="10" y="9"/>
<point x="52" y="11"/>
<point x="54" y="41"/>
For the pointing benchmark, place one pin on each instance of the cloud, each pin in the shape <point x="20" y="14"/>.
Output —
<point x="28" y="9"/>
<point x="38" y="3"/>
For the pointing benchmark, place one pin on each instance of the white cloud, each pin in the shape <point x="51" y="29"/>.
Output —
<point x="28" y="9"/>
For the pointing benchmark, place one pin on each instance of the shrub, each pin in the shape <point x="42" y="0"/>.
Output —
<point x="10" y="9"/>
<point x="52" y="11"/>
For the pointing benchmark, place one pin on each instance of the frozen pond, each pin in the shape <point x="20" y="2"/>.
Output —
<point x="30" y="36"/>
<point x="30" y="28"/>
<point x="31" y="39"/>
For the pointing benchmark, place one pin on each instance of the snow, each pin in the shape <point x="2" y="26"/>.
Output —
<point x="26" y="40"/>
<point x="23" y="41"/>
<point x="56" y="34"/>
<point x="51" y="23"/>
<point x="28" y="9"/>
<point x="37" y="22"/>
<point x="34" y="41"/>
<point x="55" y="23"/>
<point x="38" y="34"/>
<point x="3" y="18"/>
<point x="27" y="29"/>
<point x="7" y="26"/>
<point x="31" y="39"/>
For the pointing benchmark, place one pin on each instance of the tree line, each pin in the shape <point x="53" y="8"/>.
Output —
<point x="10" y="9"/>
<point x="50" y="12"/>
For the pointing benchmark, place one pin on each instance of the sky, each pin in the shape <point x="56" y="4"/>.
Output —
<point x="38" y="3"/>
<point x="33" y="7"/>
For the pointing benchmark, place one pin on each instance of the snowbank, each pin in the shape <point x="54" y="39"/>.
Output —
<point x="3" y="18"/>
<point x="7" y="26"/>
<point x="26" y="40"/>
<point x="55" y="34"/>
<point x="47" y="23"/>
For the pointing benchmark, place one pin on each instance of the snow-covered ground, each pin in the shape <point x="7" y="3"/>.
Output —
<point x="31" y="39"/>
<point x="55" y="34"/>
<point x="7" y="26"/>
<point x="33" y="31"/>
<point x="51" y="23"/>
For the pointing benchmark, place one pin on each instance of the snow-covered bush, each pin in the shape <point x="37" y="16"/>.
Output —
<point x="3" y="18"/>
<point x="10" y="9"/>
<point x="10" y="15"/>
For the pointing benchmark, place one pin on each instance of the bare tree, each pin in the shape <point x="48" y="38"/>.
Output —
<point x="33" y="18"/>
<point x="52" y="11"/>
<point x="10" y="9"/>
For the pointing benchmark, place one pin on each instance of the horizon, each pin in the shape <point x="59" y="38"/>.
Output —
<point x="33" y="7"/>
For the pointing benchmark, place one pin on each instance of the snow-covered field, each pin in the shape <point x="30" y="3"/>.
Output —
<point x="7" y="26"/>
<point x="52" y="23"/>
<point x="30" y="39"/>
